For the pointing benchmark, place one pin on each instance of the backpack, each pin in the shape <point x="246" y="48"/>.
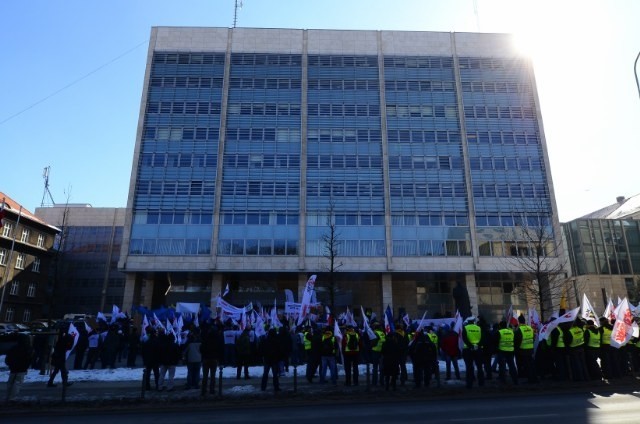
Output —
<point x="352" y="342"/>
<point x="243" y="345"/>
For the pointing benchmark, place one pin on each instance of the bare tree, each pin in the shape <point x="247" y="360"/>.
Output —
<point x="331" y="244"/>
<point x="538" y="255"/>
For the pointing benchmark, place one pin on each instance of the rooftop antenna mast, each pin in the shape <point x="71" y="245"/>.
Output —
<point x="475" y="11"/>
<point x="235" y="12"/>
<point x="47" y="193"/>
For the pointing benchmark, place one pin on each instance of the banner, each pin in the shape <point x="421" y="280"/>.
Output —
<point x="305" y="305"/>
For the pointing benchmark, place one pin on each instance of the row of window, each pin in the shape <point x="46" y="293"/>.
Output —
<point x="175" y="188"/>
<point x="366" y="248"/>
<point x="172" y="217"/>
<point x="260" y="188"/>
<point x="514" y="248"/>
<point x="180" y="133"/>
<point x="340" y="110"/>
<point x="170" y="247"/>
<point x="433" y="219"/>
<point x="422" y="111"/>
<point x="281" y="135"/>
<point x="418" y="85"/>
<point x="253" y="59"/>
<point x="263" y="247"/>
<point x="428" y="190"/>
<point x="505" y="163"/>
<point x="14" y="289"/>
<point x="346" y="135"/>
<point x="343" y="61"/>
<point x="431" y="248"/>
<point x="343" y="84"/>
<point x="259" y="218"/>
<point x="364" y="190"/>
<point x="265" y="83"/>
<point x="354" y="219"/>
<point x="491" y="63"/>
<point x="186" y="82"/>
<point x="179" y="160"/>
<point x="511" y="190"/>
<point x="425" y="162"/>
<point x="264" y="109"/>
<point x="428" y="62"/>
<point x="502" y="137"/>
<point x="344" y="162"/>
<point x="512" y="219"/>
<point x="420" y="136"/>
<point x="10" y="314"/>
<point x="502" y="112"/>
<point x="261" y="161"/>
<point x="21" y="260"/>
<point x="495" y="87"/>
<point x="189" y="58"/>
<point x="25" y="235"/>
<point x="187" y="108"/>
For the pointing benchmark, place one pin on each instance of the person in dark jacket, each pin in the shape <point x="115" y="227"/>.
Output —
<point x="150" y="358"/>
<point x="59" y="359"/>
<point x="170" y="355"/>
<point x="422" y="352"/>
<point x="272" y="353"/>
<point x="211" y="350"/>
<point x="391" y="352"/>
<point x="18" y="360"/>
<point x="81" y="347"/>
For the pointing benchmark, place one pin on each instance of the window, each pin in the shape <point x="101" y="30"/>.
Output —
<point x="31" y="290"/>
<point x="20" y="261"/>
<point x="3" y="256"/>
<point x="36" y="265"/>
<point x="7" y="229"/>
<point x="11" y="311"/>
<point x="15" y="288"/>
<point x="40" y="240"/>
<point x="26" y="315"/>
<point x="24" y="238"/>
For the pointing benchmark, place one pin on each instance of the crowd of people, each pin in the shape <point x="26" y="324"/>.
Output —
<point x="575" y="351"/>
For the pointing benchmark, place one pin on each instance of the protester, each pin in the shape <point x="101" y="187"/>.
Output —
<point x="18" y="359"/>
<point x="59" y="359"/>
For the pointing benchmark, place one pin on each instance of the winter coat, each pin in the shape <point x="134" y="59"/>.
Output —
<point x="150" y="350"/>
<point x="391" y="354"/>
<point x="170" y="354"/>
<point x="270" y="347"/>
<point x="18" y="357"/>
<point x="192" y="352"/>
<point x="211" y="347"/>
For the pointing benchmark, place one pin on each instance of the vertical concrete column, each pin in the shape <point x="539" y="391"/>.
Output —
<point x="470" y="280"/>
<point x="387" y="291"/>
<point x="129" y="291"/>
<point x="216" y="288"/>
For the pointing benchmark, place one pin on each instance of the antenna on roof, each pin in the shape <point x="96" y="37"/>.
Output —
<point x="45" y="175"/>
<point x="235" y="12"/>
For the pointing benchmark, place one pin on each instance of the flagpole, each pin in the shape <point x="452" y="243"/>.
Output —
<point x="6" y="269"/>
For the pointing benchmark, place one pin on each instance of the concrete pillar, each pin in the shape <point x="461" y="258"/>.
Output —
<point x="216" y="288"/>
<point x="129" y="291"/>
<point x="387" y="291"/>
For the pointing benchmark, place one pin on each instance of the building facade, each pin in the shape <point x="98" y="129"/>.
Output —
<point x="90" y="242"/>
<point x="424" y="151"/>
<point x="604" y="251"/>
<point x="26" y="256"/>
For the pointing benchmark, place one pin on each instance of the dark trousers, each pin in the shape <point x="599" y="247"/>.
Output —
<point x="242" y="362"/>
<point x="147" y="376"/>
<point x="92" y="356"/>
<point x="507" y="359"/>
<point x="473" y="358"/>
<point x="591" y="358"/>
<point x="312" y="365"/>
<point x="78" y="358"/>
<point x="274" y="368"/>
<point x="60" y="366"/>
<point x="526" y="365"/>
<point x="376" y="372"/>
<point x="449" y="360"/>
<point x="209" y="367"/>
<point x="578" y="364"/>
<point x="351" y="369"/>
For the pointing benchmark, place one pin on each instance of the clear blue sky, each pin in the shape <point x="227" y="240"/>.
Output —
<point x="71" y="82"/>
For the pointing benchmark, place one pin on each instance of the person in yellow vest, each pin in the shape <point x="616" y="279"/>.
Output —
<point x="376" y="355"/>
<point x="505" y="354"/>
<point x="575" y="348"/>
<point x="472" y="351"/>
<point x="351" y="351"/>
<point x="592" y="336"/>
<point x="328" y="351"/>
<point x="556" y="344"/>
<point x="606" y="351"/>
<point x="404" y="349"/>
<point x="432" y="367"/>
<point x="523" y="341"/>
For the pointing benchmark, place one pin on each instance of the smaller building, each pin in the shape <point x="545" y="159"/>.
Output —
<point x="604" y="251"/>
<point x="26" y="258"/>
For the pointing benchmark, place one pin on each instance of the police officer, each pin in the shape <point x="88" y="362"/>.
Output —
<point x="575" y="342"/>
<point x="472" y="351"/>
<point x="376" y="354"/>
<point x="505" y="353"/>
<point x="523" y="340"/>
<point x="351" y="348"/>
<point x="592" y="350"/>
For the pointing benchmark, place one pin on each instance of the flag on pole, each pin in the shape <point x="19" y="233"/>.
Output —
<point x="365" y="325"/>
<point x="143" y="329"/>
<point x="546" y="329"/>
<point x="587" y="311"/>
<point x="406" y="320"/>
<point x="305" y="305"/>
<point x="534" y="320"/>
<point x="388" y="320"/>
<point x="622" y="329"/>
<point x="73" y="332"/>
<point x="226" y="290"/>
<point x="609" y="312"/>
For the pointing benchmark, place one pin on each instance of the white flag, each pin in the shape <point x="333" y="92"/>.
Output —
<point x="73" y="332"/>
<point x="623" y="328"/>
<point x="588" y="313"/>
<point x="305" y="305"/>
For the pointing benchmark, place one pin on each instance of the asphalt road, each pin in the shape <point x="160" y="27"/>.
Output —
<point x="548" y="408"/>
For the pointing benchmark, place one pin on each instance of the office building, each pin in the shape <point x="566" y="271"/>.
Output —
<point x="425" y="151"/>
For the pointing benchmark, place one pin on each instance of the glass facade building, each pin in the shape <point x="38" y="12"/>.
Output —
<point x="425" y="150"/>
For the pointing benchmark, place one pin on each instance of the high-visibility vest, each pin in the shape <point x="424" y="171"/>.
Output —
<point x="381" y="338"/>
<point x="307" y="341"/>
<point x="527" y="337"/>
<point x="434" y="338"/>
<point x="506" y="340"/>
<point x="594" y="338"/>
<point x="605" y="337"/>
<point x="474" y="334"/>
<point x="578" y="336"/>
<point x="333" y="342"/>
<point x="349" y="336"/>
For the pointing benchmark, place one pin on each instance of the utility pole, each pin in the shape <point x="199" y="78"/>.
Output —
<point x="238" y="6"/>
